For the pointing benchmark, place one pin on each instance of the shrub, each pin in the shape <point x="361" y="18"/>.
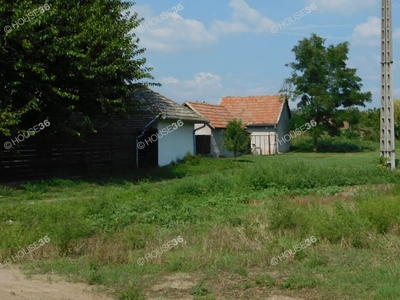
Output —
<point x="381" y="214"/>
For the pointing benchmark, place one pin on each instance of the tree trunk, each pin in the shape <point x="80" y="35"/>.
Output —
<point x="315" y="145"/>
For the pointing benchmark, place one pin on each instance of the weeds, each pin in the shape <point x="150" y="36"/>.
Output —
<point x="234" y="220"/>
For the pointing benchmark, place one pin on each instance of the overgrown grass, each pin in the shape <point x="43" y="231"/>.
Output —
<point x="234" y="218"/>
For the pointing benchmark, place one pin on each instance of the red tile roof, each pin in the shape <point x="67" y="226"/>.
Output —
<point x="254" y="110"/>
<point x="218" y="115"/>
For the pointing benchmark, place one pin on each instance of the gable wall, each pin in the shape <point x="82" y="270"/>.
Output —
<point x="283" y="129"/>
<point x="176" y="144"/>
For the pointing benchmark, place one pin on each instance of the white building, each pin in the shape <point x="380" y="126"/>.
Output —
<point x="166" y="129"/>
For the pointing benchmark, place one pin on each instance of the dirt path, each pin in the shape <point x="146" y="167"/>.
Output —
<point x="15" y="286"/>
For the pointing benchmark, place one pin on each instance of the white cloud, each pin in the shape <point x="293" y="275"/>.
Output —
<point x="369" y="33"/>
<point x="208" y="87"/>
<point x="244" y="19"/>
<point x="343" y="6"/>
<point x="168" y="32"/>
<point x="204" y="86"/>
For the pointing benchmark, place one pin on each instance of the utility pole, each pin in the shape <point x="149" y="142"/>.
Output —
<point x="387" y="141"/>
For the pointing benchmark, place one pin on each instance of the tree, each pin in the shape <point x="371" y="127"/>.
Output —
<point x="68" y="58"/>
<point x="397" y="118"/>
<point x="368" y="126"/>
<point x="236" y="138"/>
<point x="323" y="84"/>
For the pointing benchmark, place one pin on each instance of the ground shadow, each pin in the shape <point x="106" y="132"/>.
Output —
<point x="244" y="161"/>
<point x="115" y="177"/>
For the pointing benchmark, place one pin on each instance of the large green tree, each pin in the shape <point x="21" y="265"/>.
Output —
<point x="397" y="118"/>
<point x="323" y="84"/>
<point x="67" y="58"/>
<point x="235" y="137"/>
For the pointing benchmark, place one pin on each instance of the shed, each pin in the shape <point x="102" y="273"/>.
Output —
<point x="266" y="118"/>
<point x="167" y="129"/>
<point x="209" y="138"/>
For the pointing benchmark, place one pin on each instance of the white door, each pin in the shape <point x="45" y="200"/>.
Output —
<point x="263" y="144"/>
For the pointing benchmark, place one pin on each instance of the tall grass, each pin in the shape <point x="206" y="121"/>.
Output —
<point x="233" y="220"/>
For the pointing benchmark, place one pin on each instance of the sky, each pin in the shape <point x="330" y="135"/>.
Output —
<point x="208" y="49"/>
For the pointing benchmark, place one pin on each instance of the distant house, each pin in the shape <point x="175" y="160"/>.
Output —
<point x="165" y="129"/>
<point x="209" y="138"/>
<point x="265" y="117"/>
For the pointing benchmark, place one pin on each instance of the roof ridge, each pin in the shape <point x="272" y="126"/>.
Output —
<point x="253" y="96"/>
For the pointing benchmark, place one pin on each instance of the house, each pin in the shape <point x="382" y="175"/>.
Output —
<point x="166" y="129"/>
<point x="209" y="138"/>
<point x="265" y="117"/>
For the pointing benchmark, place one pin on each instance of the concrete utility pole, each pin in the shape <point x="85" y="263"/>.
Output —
<point x="387" y="102"/>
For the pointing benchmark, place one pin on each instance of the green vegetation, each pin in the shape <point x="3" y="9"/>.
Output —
<point x="233" y="221"/>
<point x="397" y="118"/>
<point x="327" y="89"/>
<point x="78" y="57"/>
<point x="330" y="144"/>
<point x="235" y="138"/>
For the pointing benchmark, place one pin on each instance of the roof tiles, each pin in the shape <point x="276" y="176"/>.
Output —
<point x="255" y="110"/>
<point x="217" y="115"/>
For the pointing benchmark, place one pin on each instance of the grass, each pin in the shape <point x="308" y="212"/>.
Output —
<point x="234" y="217"/>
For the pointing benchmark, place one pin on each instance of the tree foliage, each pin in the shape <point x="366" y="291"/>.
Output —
<point x="397" y="118"/>
<point x="236" y="138"/>
<point x="65" y="58"/>
<point x="323" y="84"/>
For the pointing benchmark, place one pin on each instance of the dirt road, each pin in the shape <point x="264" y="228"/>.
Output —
<point x="15" y="286"/>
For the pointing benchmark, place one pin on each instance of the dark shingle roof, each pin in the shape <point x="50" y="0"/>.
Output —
<point x="154" y="104"/>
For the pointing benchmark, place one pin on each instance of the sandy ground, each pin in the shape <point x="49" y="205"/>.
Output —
<point x="15" y="286"/>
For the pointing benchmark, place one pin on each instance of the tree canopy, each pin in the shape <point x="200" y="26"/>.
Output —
<point x="63" y="58"/>
<point x="236" y="138"/>
<point x="397" y="118"/>
<point x="323" y="84"/>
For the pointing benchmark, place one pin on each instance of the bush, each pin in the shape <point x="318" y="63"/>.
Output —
<point x="381" y="214"/>
<point x="191" y="159"/>
<point x="342" y="223"/>
<point x="333" y="144"/>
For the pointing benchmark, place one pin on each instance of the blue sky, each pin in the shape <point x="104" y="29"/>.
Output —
<point x="208" y="49"/>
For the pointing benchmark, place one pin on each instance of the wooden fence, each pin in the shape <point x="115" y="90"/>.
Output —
<point x="42" y="156"/>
